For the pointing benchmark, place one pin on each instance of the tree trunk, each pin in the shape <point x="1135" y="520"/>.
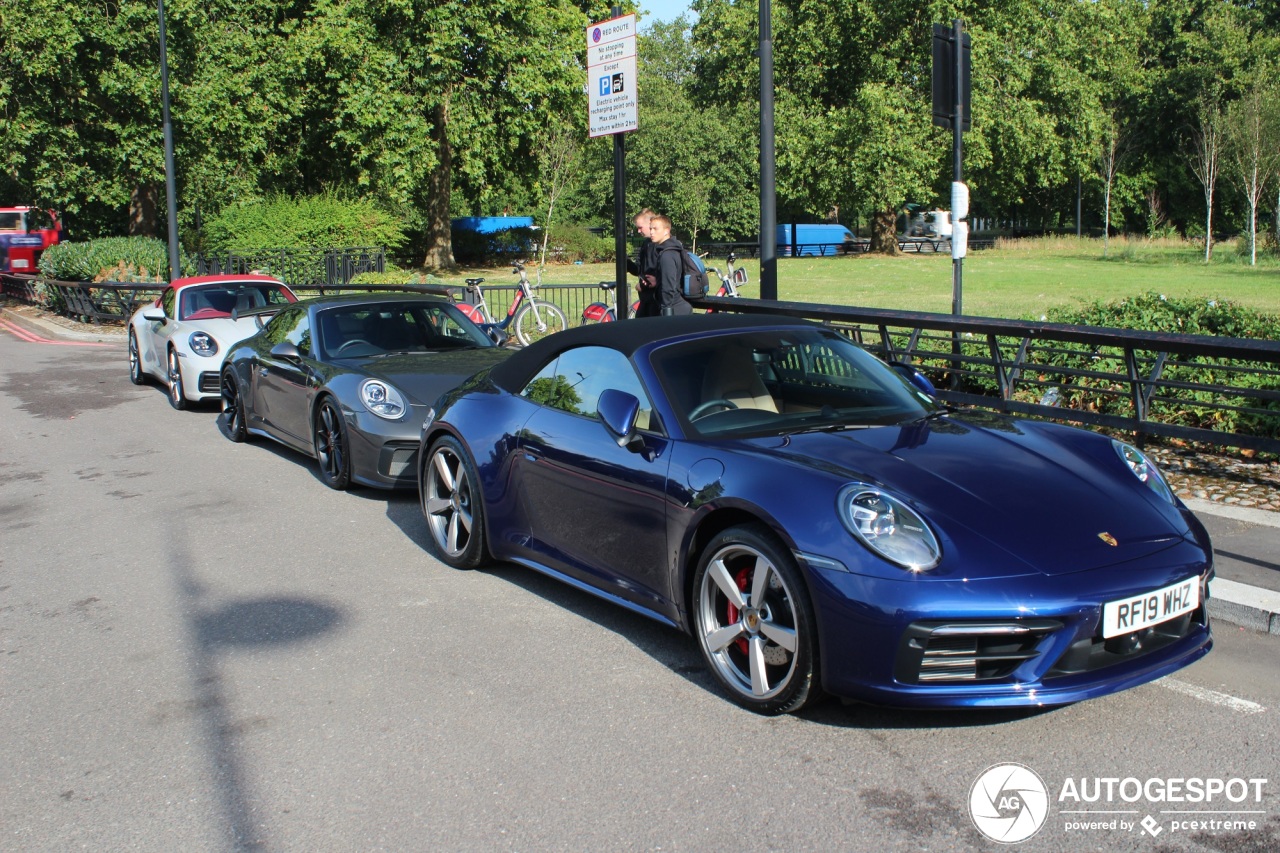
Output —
<point x="143" y="202"/>
<point x="884" y="231"/>
<point x="439" y="237"/>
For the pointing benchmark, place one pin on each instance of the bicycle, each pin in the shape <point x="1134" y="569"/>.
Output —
<point x="606" y="312"/>
<point x="730" y="281"/>
<point x="533" y="318"/>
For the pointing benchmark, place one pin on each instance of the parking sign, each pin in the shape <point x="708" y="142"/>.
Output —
<point x="611" y="76"/>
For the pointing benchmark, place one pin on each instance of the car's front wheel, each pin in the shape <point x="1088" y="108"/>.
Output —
<point x="754" y="622"/>
<point x="450" y="496"/>
<point x="233" y="407"/>
<point x="332" y="448"/>
<point x="177" y="396"/>
<point x="136" y="376"/>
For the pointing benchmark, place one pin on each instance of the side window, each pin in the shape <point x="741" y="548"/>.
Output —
<point x="290" y="325"/>
<point x="300" y="334"/>
<point x="166" y="302"/>
<point x="575" y="380"/>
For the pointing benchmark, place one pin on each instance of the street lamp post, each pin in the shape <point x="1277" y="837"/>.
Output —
<point x="768" y="188"/>
<point x="170" y="192"/>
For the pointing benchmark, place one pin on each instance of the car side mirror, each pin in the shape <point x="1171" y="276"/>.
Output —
<point x="618" y="411"/>
<point x="153" y="315"/>
<point x="917" y="379"/>
<point x="287" y="351"/>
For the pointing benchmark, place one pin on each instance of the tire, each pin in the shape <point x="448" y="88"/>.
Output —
<point x="754" y="622"/>
<point x="449" y="494"/>
<point x="233" y="408"/>
<point x="526" y="322"/>
<point x="329" y="437"/>
<point x="177" y="396"/>
<point x="136" y="376"/>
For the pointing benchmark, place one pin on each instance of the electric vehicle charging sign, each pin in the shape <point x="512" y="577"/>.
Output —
<point x="612" y="104"/>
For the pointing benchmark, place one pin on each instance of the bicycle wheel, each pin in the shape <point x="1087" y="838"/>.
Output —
<point x="535" y="320"/>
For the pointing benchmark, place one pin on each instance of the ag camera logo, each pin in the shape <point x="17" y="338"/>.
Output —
<point x="1009" y="803"/>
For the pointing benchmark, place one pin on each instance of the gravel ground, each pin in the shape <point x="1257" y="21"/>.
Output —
<point x="1206" y="474"/>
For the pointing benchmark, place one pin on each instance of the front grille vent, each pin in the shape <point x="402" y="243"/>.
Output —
<point x="210" y="382"/>
<point x="949" y="652"/>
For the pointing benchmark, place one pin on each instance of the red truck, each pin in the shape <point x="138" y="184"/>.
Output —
<point x="25" y="232"/>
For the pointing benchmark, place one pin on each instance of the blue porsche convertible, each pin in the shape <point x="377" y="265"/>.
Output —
<point x="817" y="519"/>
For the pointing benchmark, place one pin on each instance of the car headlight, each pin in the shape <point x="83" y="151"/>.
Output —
<point x="1144" y="469"/>
<point x="381" y="399"/>
<point x="889" y="527"/>
<point x="202" y="343"/>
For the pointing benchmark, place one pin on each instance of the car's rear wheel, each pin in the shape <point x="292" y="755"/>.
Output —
<point x="449" y="493"/>
<point x="332" y="447"/>
<point x="136" y="376"/>
<point x="754" y="622"/>
<point x="233" y="407"/>
<point x="177" y="396"/>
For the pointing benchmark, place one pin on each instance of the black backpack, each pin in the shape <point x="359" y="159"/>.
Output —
<point x="693" y="274"/>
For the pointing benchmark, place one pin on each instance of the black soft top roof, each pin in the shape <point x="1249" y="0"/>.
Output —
<point x="625" y="337"/>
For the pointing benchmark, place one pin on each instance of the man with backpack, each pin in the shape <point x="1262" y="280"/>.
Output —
<point x="667" y="281"/>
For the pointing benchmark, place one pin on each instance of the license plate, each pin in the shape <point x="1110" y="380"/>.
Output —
<point x="1127" y="615"/>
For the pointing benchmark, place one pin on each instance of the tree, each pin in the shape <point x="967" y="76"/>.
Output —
<point x="1252" y="135"/>
<point x="1206" y="156"/>
<point x="1113" y="149"/>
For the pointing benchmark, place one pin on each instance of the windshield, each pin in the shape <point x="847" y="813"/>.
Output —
<point x="209" y="301"/>
<point x="363" y="329"/>
<point x="775" y="382"/>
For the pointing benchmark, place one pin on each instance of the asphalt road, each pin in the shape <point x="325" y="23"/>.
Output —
<point x="202" y="648"/>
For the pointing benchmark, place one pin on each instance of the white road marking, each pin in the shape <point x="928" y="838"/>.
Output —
<point x="1226" y="700"/>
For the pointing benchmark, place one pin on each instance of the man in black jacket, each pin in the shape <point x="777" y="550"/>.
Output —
<point x="668" y="294"/>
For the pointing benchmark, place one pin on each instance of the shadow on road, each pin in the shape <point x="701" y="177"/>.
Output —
<point x="215" y="629"/>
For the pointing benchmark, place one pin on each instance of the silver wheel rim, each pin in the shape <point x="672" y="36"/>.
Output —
<point x="329" y="450"/>
<point x="175" y="378"/>
<point x="747" y="622"/>
<point x="547" y="319"/>
<point x="447" y="502"/>
<point x="135" y="365"/>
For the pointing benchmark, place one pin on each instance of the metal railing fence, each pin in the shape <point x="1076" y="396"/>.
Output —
<point x="1202" y="388"/>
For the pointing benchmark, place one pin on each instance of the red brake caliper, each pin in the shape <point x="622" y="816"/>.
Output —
<point x="732" y="613"/>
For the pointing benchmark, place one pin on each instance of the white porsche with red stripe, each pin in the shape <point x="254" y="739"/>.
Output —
<point x="181" y="338"/>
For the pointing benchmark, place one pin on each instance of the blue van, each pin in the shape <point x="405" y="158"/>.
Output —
<point x="815" y="239"/>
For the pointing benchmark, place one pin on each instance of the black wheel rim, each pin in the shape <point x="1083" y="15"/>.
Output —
<point x="329" y="450"/>
<point x="231" y="405"/>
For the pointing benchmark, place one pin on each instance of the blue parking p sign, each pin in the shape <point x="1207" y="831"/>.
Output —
<point x="606" y="85"/>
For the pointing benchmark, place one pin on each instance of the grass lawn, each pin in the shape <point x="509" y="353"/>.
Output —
<point x="1020" y="279"/>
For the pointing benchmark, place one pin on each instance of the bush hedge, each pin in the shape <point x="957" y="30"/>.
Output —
<point x="134" y="259"/>
<point x="327" y="221"/>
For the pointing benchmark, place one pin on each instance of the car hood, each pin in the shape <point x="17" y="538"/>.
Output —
<point x="1059" y="500"/>
<point x="425" y="376"/>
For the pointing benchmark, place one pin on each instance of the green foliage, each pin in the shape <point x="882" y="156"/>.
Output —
<point x="396" y="276"/>
<point x="328" y="221"/>
<point x="554" y="391"/>
<point x="1193" y="316"/>
<point x="108" y="259"/>
<point x="571" y="243"/>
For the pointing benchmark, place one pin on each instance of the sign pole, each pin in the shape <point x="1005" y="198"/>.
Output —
<point x="957" y="126"/>
<point x="612" y="109"/>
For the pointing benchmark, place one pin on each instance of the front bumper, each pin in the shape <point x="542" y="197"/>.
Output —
<point x="1024" y="642"/>
<point x="384" y="454"/>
